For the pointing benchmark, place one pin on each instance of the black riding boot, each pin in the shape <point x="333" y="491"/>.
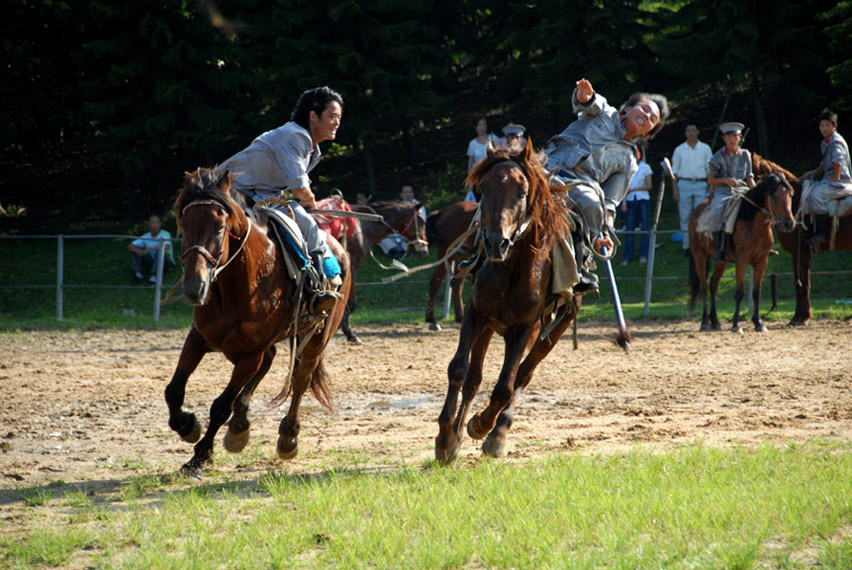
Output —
<point x="320" y="301"/>
<point x="821" y="231"/>
<point x="719" y="243"/>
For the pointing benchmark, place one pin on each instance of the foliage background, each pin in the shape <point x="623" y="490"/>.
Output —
<point x="108" y="103"/>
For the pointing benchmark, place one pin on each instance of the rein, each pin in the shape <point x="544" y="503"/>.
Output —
<point x="773" y="218"/>
<point x="215" y="261"/>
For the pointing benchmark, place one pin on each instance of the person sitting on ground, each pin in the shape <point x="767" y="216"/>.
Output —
<point x="729" y="168"/>
<point x="835" y="169"/>
<point x="145" y="250"/>
<point x="281" y="159"/>
<point x="596" y="156"/>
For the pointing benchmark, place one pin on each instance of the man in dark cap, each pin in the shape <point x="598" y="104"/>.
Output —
<point x="729" y="168"/>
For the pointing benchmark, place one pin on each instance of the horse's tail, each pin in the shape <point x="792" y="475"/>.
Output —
<point x="694" y="286"/>
<point x="431" y="230"/>
<point x="774" y="288"/>
<point x="321" y="385"/>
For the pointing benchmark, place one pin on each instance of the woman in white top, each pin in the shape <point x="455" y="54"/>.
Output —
<point x="477" y="149"/>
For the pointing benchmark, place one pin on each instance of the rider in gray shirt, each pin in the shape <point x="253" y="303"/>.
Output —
<point x="280" y="160"/>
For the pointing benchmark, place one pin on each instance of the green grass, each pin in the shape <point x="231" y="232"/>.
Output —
<point x="770" y="507"/>
<point x="105" y="262"/>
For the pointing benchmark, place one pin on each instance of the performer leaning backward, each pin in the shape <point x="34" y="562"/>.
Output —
<point x="280" y="160"/>
<point x="596" y="156"/>
<point x="729" y="168"/>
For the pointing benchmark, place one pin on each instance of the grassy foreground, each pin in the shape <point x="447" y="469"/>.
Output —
<point x="770" y="507"/>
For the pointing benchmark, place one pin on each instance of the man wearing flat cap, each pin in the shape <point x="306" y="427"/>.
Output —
<point x="729" y="168"/>
<point x="513" y="137"/>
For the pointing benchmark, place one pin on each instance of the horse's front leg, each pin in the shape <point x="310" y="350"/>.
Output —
<point x="185" y="423"/>
<point x="457" y="287"/>
<point x="495" y="444"/>
<point x="516" y="342"/>
<point x="718" y="271"/>
<point x="473" y="339"/>
<point x="739" y="295"/>
<point x="434" y="285"/>
<point x="309" y="373"/>
<point x="344" y="323"/>
<point x="759" y="270"/>
<point x="237" y="435"/>
<point x="244" y="370"/>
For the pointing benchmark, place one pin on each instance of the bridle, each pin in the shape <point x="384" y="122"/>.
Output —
<point x="772" y="217"/>
<point x="415" y="221"/>
<point x="525" y="220"/>
<point x="215" y="261"/>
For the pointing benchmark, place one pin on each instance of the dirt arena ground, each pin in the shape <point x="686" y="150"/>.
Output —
<point x="88" y="408"/>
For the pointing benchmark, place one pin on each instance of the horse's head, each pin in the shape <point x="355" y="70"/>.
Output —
<point x="510" y="186"/>
<point x="406" y="219"/>
<point x="779" y="201"/>
<point x="210" y="221"/>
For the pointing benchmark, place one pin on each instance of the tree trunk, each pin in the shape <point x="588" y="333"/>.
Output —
<point x="762" y="129"/>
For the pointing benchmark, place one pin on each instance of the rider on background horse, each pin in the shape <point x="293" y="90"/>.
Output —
<point x="280" y="160"/>
<point x="597" y="156"/>
<point x="729" y="168"/>
<point x="836" y="166"/>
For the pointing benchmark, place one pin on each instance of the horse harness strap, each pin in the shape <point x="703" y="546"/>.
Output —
<point x="203" y="251"/>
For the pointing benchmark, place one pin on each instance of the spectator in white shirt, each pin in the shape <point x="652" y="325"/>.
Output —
<point x="689" y="164"/>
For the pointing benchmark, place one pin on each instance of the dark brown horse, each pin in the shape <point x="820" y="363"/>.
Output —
<point x="443" y="228"/>
<point x="520" y="221"/>
<point x="245" y="302"/>
<point x="404" y="218"/>
<point x="794" y="243"/>
<point x="767" y="204"/>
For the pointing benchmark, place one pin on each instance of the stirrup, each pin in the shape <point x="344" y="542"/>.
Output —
<point x="322" y="302"/>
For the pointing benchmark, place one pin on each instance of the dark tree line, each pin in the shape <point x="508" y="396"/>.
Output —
<point x="141" y="90"/>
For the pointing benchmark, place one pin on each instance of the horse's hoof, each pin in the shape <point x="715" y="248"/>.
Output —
<point x="705" y="327"/>
<point x="434" y="327"/>
<point x="287" y="448"/>
<point x="354" y="339"/>
<point x="761" y="328"/>
<point x="236" y="442"/>
<point x="797" y="323"/>
<point x="737" y="329"/>
<point x="194" y="433"/>
<point x="494" y="446"/>
<point x="191" y="472"/>
<point x="474" y="430"/>
<point x="715" y="327"/>
<point x="446" y="454"/>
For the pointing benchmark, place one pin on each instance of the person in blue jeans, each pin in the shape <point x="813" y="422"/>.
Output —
<point x="637" y="209"/>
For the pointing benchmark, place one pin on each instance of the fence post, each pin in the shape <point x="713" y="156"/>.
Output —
<point x="652" y="245"/>
<point x="60" y="263"/>
<point x="161" y="258"/>
<point x="447" y="291"/>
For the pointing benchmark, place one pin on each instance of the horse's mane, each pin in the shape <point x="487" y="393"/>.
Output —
<point x="762" y="167"/>
<point x="381" y="204"/>
<point x="543" y="209"/>
<point x="211" y="184"/>
<point x="758" y="195"/>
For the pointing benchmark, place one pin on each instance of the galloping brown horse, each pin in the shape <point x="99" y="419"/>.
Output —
<point x="520" y="220"/>
<point x="794" y="243"/>
<point x="442" y="229"/>
<point x="245" y="302"/>
<point x="768" y="203"/>
<point x="404" y="218"/>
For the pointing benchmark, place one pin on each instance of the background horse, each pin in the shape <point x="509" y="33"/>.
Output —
<point x="511" y="297"/>
<point x="794" y="243"/>
<point x="442" y="229"/>
<point x="245" y="302"/>
<point x="766" y="204"/>
<point x="404" y="218"/>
